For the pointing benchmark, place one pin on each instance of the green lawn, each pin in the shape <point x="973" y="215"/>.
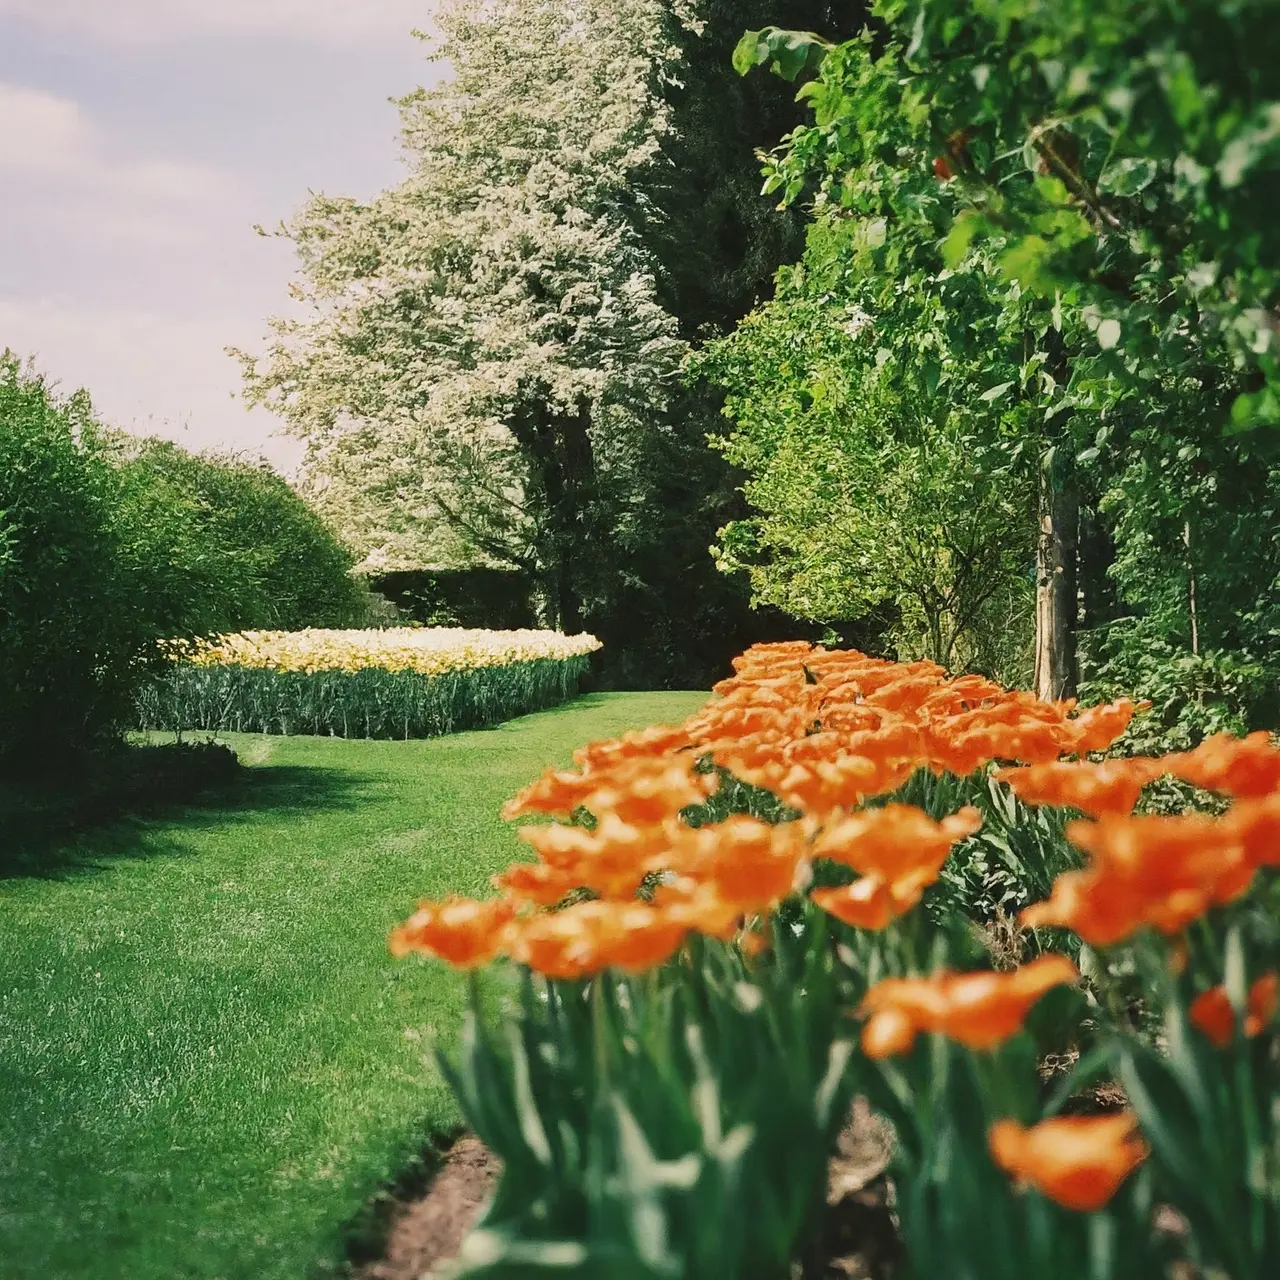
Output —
<point x="208" y="1061"/>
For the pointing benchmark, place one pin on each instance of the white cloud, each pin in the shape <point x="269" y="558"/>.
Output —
<point x="164" y="278"/>
<point x="166" y="21"/>
<point x="44" y="135"/>
<point x="39" y="133"/>
<point x="150" y="372"/>
<point x="78" y="180"/>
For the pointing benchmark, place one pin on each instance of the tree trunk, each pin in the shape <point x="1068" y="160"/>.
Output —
<point x="562" y="462"/>
<point x="1094" y="557"/>
<point x="1191" y="590"/>
<point x="1056" y="599"/>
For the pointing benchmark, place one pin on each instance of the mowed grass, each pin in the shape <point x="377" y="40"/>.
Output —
<point x="208" y="1061"/>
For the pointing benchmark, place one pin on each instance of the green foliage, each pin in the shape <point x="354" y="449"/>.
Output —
<point x="958" y="1214"/>
<point x="73" y="624"/>
<point x="493" y="599"/>
<point x="370" y="703"/>
<point x="1193" y="696"/>
<point x="1053" y="222"/>
<point x="108" y="546"/>
<point x="632" y="1113"/>
<point x="869" y="504"/>
<point x="487" y="372"/>
<point x="227" y="545"/>
<point x="790" y="54"/>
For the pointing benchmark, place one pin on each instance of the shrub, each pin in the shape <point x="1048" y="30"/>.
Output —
<point x="1194" y="695"/>
<point x="687" y="933"/>
<point x="73" y="615"/>
<point x="227" y="545"/>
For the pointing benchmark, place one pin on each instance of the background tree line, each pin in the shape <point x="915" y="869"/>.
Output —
<point x="996" y="346"/>
<point x="1018" y="398"/>
<point x="987" y="374"/>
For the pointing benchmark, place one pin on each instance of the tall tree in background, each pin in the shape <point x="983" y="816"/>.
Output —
<point x="486" y="344"/>
<point x="490" y="356"/>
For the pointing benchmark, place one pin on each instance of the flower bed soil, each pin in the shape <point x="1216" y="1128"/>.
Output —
<point x="859" y="1243"/>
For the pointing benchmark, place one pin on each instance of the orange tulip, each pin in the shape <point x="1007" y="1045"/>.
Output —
<point x="896" y="840"/>
<point x="1078" y="1162"/>
<point x="648" y="791"/>
<point x="1211" y="1011"/>
<point x="979" y="1010"/>
<point x="698" y="907"/>
<point x="867" y="903"/>
<point x="460" y="931"/>
<point x="1246" y="768"/>
<point x="1096" y="728"/>
<point x="748" y="862"/>
<point x="820" y="786"/>
<point x="590" y="936"/>
<point x="889" y="1034"/>
<point x="557" y="793"/>
<point x="657" y="742"/>
<point x="1146" y="870"/>
<point x="1111" y="787"/>
<point x="904" y="695"/>
<point x="1256" y="823"/>
<point x="536" y="882"/>
<point x="612" y="858"/>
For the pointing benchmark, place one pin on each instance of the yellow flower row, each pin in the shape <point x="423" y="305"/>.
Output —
<point x="427" y="651"/>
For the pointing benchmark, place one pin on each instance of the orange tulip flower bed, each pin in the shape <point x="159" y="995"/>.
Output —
<point x="733" y="926"/>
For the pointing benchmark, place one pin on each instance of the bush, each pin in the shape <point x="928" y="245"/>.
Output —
<point x="1194" y="696"/>
<point x="227" y="545"/>
<point x="495" y="598"/>
<point x="109" y="545"/>
<point x="73" y="610"/>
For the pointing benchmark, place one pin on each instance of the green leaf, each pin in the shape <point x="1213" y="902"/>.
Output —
<point x="790" y="54"/>
<point x="959" y="238"/>
<point x="994" y="393"/>
<point x="750" y="52"/>
<point x="1253" y="409"/>
<point x="1128" y="177"/>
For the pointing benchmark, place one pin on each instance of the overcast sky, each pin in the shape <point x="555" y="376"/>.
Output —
<point x="140" y="141"/>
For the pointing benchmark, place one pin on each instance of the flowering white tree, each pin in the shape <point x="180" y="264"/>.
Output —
<point x="483" y="361"/>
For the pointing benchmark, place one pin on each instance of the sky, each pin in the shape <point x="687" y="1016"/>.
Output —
<point x="141" y="141"/>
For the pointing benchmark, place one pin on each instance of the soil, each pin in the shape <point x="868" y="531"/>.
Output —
<point x="860" y="1242"/>
<point x="427" y="1233"/>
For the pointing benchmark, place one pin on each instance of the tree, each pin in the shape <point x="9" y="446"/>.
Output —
<point x="486" y="346"/>
<point x="1096" y="183"/>
<point x="74" y="630"/>
<point x="489" y="369"/>
<point x="867" y="505"/>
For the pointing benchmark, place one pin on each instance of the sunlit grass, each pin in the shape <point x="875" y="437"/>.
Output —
<point x="208" y="1061"/>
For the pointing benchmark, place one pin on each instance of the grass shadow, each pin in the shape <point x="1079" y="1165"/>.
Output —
<point x="55" y="822"/>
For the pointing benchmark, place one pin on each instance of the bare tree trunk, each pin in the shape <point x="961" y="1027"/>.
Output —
<point x="1056" y="598"/>
<point x="1191" y="589"/>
